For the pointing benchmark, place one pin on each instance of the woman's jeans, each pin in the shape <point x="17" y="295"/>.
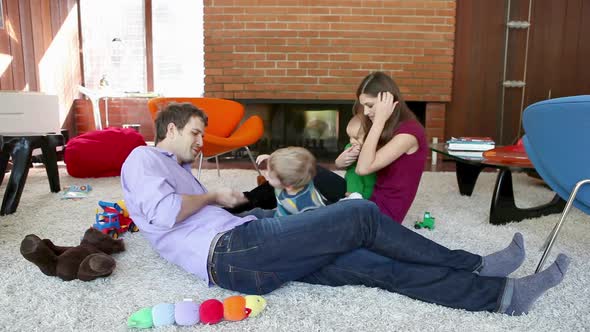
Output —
<point x="352" y="243"/>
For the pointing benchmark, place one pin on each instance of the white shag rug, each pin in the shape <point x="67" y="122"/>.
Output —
<point x="31" y="301"/>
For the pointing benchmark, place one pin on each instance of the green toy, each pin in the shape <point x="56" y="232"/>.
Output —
<point x="427" y="222"/>
<point x="141" y="319"/>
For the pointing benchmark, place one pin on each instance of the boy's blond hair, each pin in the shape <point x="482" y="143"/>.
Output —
<point x="294" y="166"/>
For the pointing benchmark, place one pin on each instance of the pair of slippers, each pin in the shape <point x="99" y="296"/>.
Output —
<point x="87" y="261"/>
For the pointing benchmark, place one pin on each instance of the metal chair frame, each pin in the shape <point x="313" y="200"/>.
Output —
<point x="217" y="161"/>
<point x="553" y="235"/>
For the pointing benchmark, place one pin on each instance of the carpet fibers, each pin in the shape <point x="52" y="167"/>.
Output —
<point x="31" y="301"/>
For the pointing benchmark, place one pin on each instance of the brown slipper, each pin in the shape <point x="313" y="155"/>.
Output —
<point x="102" y="241"/>
<point x="38" y="252"/>
<point x="96" y="266"/>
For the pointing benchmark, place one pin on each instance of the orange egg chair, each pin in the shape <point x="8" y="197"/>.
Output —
<point x="223" y="133"/>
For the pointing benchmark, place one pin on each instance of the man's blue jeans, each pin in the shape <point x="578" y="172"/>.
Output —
<point x="352" y="243"/>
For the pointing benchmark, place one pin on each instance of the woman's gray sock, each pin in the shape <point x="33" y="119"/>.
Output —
<point x="505" y="261"/>
<point x="528" y="289"/>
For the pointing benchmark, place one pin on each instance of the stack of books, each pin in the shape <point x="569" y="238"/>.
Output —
<point x="469" y="147"/>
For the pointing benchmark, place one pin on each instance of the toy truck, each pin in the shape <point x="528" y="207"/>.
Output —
<point x="427" y="222"/>
<point x="114" y="219"/>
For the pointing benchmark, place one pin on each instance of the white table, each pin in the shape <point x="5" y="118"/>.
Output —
<point x="96" y="95"/>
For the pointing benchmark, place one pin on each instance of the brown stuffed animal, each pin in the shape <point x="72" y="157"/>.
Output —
<point x="88" y="261"/>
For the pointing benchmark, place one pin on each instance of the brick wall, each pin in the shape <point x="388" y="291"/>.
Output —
<point x="121" y="111"/>
<point x="320" y="50"/>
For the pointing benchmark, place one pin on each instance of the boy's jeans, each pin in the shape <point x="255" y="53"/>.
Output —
<point x="352" y="243"/>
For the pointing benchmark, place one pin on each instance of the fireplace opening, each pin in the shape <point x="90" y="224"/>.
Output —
<point x="319" y="126"/>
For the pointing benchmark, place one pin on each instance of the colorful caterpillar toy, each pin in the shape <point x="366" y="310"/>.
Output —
<point x="188" y="312"/>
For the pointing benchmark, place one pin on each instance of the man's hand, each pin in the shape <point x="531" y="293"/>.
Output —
<point x="229" y="198"/>
<point x="224" y="197"/>
<point x="348" y="156"/>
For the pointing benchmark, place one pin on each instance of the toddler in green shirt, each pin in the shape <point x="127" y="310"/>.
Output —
<point x="362" y="184"/>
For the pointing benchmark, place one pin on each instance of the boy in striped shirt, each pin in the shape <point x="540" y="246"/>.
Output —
<point x="290" y="171"/>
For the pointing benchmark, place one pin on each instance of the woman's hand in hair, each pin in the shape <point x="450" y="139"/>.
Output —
<point x="384" y="107"/>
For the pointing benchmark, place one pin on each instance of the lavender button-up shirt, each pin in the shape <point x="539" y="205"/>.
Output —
<point x="153" y="183"/>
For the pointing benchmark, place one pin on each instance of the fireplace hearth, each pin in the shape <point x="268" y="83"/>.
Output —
<point x="319" y="126"/>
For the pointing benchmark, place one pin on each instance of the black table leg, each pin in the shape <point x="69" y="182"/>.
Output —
<point x="467" y="176"/>
<point x="504" y="209"/>
<point x="48" y="146"/>
<point x="21" y="158"/>
<point x="4" y="157"/>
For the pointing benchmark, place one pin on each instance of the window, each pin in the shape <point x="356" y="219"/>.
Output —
<point x="178" y="47"/>
<point x="113" y="44"/>
<point x="114" y="38"/>
<point x="1" y="16"/>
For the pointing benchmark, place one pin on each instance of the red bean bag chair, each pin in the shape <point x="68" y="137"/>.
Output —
<point x="100" y="153"/>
